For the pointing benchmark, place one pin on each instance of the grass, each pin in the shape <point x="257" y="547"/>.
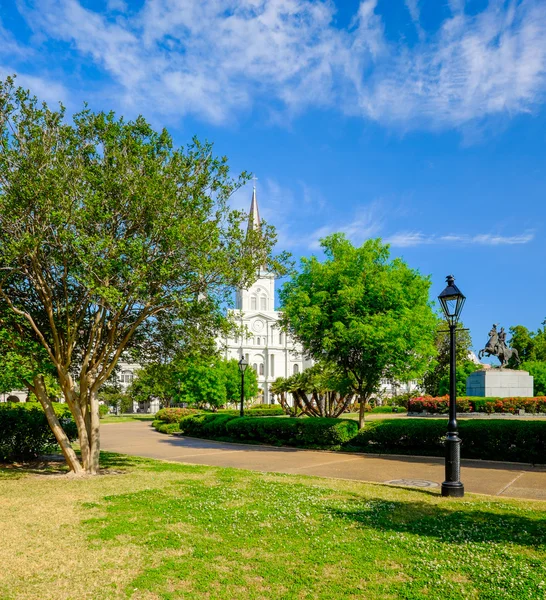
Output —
<point x="126" y="417"/>
<point x="163" y="530"/>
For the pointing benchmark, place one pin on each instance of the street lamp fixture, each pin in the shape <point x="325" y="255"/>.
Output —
<point x="243" y="364"/>
<point x="452" y="301"/>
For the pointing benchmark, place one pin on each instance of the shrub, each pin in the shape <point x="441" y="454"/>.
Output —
<point x="519" y="441"/>
<point x="164" y="427"/>
<point x="306" y="433"/>
<point x="173" y="415"/>
<point x="25" y="432"/>
<point x="388" y="409"/>
<point x="466" y="404"/>
<point x="274" y="411"/>
<point x="103" y="410"/>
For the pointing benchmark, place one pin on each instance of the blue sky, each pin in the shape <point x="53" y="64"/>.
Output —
<point x="419" y="121"/>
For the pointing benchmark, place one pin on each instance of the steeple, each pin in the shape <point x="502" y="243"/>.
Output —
<point x="254" y="215"/>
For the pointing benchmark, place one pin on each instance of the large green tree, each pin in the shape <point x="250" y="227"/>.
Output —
<point x="363" y="312"/>
<point x="105" y="227"/>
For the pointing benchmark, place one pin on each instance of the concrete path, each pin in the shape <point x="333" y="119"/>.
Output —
<point x="498" y="479"/>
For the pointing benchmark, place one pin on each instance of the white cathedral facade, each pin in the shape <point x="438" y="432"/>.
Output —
<point x="266" y="348"/>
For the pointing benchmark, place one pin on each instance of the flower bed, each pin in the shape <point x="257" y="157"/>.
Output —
<point x="430" y="405"/>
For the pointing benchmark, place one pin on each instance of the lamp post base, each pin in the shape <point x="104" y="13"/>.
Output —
<point x="454" y="489"/>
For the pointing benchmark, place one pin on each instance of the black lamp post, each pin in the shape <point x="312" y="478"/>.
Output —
<point x="452" y="301"/>
<point x="242" y="367"/>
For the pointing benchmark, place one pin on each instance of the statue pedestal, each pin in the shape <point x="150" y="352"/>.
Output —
<point x="501" y="383"/>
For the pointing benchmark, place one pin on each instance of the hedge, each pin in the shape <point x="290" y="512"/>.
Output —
<point x="25" y="433"/>
<point x="517" y="441"/>
<point x="471" y="404"/>
<point x="274" y="411"/>
<point x="303" y="433"/>
<point x="173" y="415"/>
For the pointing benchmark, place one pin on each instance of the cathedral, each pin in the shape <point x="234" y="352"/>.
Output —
<point x="266" y="348"/>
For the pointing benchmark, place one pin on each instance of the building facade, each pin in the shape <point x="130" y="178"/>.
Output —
<point x="266" y="348"/>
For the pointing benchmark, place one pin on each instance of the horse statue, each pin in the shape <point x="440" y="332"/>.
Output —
<point x="496" y="346"/>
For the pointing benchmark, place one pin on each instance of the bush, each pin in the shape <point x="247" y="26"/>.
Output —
<point x="164" y="427"/>
<point x="25" y="432"/>
<point x="467" y="404"/>
<point x="103" y="410"/>
<point x="518" y="441"/>
<point x="173" y="415"/>
<point x="275" y="410"/>
<point x="387" y="409"/>
<point x="305" y="433"/>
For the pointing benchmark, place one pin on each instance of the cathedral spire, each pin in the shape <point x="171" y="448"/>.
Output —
<point x="254" y="222"/>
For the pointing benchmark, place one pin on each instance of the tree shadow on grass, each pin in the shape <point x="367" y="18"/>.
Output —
<point x="462" y="523"/>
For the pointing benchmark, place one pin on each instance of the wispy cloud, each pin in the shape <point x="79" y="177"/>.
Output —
<point x="219" y="58"/>
<point x="366" y="223"/>
<point x="414" y="238"/>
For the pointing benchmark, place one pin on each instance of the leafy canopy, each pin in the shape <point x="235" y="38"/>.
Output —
<point x="363" y="312"/>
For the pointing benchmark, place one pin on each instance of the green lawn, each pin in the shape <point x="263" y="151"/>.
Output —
<point x="126" y="417"/>
<point x="152" y="530"/>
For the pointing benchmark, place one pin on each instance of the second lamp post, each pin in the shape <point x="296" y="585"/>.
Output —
<point x="242" y="367"/>
<point x="452" y="301"/>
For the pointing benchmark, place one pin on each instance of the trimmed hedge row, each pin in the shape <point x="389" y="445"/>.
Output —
<point x="274" y="411"/>
<point x="471" y="404"/>
<point x="303" y="433"/>
<point x="517" y="441"/>
<point x="25" y="433"/>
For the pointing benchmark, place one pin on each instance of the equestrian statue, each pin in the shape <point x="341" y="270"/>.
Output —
<point x="496" y="346"/>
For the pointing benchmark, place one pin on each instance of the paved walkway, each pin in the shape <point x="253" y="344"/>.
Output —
<point x="498" y="479"/>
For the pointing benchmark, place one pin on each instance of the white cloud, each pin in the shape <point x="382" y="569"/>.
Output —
<point x="366" y="223"/>
<point x="414" y="238"/>
<point x="216" y="59"/>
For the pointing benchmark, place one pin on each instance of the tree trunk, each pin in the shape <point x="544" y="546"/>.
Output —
<point x="93" y="468"/>
<point x="362" y="400"/>
<point x="61" y="437"/>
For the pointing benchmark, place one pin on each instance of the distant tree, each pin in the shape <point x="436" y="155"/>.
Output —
<point x="437" y="373"/>
<point x="522" y="340"/>
<point x="537" y="369"/>
<point x="363" y="312"/>
<point x="105" y="229"/>
<point x="464" y="369"/>
<point x="154" y="381"/>
<point x="233" y="382"/>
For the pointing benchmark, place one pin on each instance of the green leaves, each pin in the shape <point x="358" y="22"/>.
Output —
<point x="359" y="310"/>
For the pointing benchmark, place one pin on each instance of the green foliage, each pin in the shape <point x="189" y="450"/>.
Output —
<point x="363" y="312"/>
<point x="464" y="369"/>
<point x="25" y="433"/>
<point x="519" y="441"/>
<point x="173" y="415"/>
<point x="531" y="346"/>
<point x="303" y="433"/>
<point x="110" y="236"/>
<point x="274" y="411"/>
<point x="538" y="370"/>
<point x="116" y="399"/>
<point x="155" y="380"/>
<point x="103" y="410"/>
<point x="233" y="382"/>
<point x="164" y="427"/>
<point x="436" y="377"/>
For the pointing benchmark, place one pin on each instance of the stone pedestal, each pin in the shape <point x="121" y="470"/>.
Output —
<point x="501" y="383"/>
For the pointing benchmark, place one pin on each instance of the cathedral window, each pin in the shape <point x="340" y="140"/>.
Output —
<point x="263" y="303"/>
<point x="296" y="369"/>
<point x="258" y="341"/>
<point x="261" y="368"/>
<point x="253" y="303"/>
<point x="246" y="357"/>
<point x="255" y="367"/>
